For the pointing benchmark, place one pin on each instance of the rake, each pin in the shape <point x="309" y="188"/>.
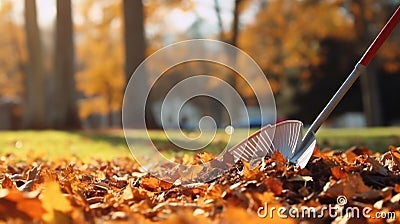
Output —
<point x="285" y="136"/>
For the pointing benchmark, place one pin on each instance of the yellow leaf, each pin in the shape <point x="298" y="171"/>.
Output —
<point x="251" y="174"/>
<point x="55" y="203"/>
<point x="266" y="197"/>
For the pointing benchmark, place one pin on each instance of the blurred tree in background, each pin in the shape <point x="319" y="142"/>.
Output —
<point x="100" y="53"/>
<point x="288" y="35"/>
<point x="34" y="116"/>
<point x="370" y="16"/>
<point x="64" y="110"/>
<point x="135" y="53"/>
<point x="306" y="48"/>
<point x="296" y="40"/>
<point x="12" y="58"/>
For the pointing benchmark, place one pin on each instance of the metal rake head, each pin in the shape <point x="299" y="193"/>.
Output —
<point x="285" y="137"/>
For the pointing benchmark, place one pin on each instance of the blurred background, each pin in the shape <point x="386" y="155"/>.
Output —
<point x="64" y="64"/>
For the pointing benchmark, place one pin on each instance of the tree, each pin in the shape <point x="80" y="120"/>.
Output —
<point x="235" y="22"/>
<point x="102" y="75"/>
<point x="135" y="43"/>
<point x="34" y="115"/>
<point x="100" y="54"/>
<point x="217" y="9"/>
<point x="12" y="57"/>
<point x="230" y="77"/>
<point x="12" y="60"/>
<point x="135" y="52"/>
<point x="366" y="15"/>
<point x="65" y="111"/>
<point x="285" y="41"/>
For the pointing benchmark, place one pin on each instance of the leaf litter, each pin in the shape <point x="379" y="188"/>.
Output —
<point x="119" y="191"/>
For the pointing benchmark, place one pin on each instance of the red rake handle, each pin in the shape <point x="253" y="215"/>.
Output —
<point x="380" y="39"/>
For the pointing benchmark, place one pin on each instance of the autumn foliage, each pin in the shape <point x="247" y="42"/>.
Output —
<point x="119" y="190"/>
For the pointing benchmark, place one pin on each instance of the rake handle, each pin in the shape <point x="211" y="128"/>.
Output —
<point x="380" y="39"/>
<point x="364" y="61"/>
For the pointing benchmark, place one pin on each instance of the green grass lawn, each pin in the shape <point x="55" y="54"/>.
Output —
<point x="378" y="139"/>
<point x="57" y="144"/>
<point x="109" y="144"/>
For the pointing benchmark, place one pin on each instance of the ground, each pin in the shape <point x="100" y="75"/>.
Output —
<point x="42" y="181"/>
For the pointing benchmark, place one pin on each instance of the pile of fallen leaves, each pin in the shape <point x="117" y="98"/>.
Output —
<point x="120" y="191"/>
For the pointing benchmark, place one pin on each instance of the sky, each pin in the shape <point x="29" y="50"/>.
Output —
<point x="46" y="12"/>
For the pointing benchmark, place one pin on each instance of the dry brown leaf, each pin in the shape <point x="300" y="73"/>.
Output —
<point x="338" y="173"/>
<point x="349" y="187"/>
<point x="274" y="185"/>
<point x="395" y="152"/>
<point x="203" y="157"/>
<point x="318" y="154"/>
<point x="376" y="166"/>
<point x="397" y="188"/>
<point x="8" y="184"/>
<point x="278" y="157"/>
<point x="359" y="150"/>
<point x="20" y="205"/>
<point x="251" y="174"/>
<point x="350" y="156"/>
<point x="140" y="194"/>
<point x="150" y="183"/>
<point x="119" y="191"/>
<point x="165" y="185"/>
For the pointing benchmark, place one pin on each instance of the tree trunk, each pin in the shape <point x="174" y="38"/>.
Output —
<point x="371" y="96"/>
<point x="34" y="77"/>
<point x="235" y="23"/>
<point x="369" y="80"/>
<point x="135" y="53"/>
<point x="135" y="44"/>
<point x="217" y="9"/>
<point x="231" y="77"/>
<point x="65" y="111"/>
